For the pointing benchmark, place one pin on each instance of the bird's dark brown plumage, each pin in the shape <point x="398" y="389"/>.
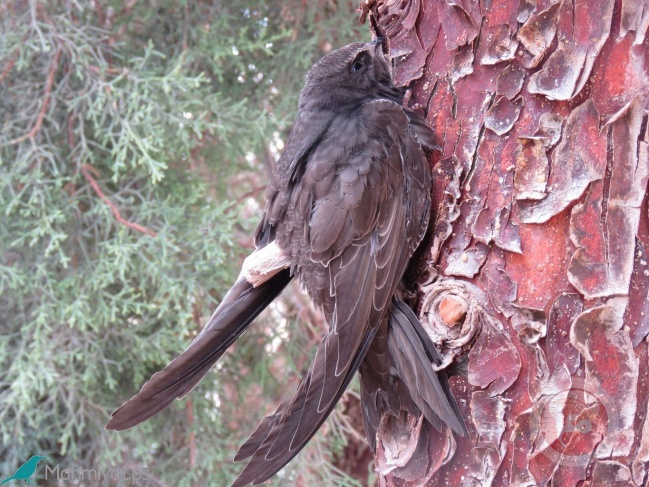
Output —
<point x="348" y="205"/>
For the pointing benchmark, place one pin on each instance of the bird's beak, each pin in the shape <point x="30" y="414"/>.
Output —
<point x="378" y="45"/>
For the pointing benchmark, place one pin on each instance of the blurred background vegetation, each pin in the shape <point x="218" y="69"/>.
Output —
<point x="136" y="139"/>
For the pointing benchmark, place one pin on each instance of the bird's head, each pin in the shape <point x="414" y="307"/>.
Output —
<point x="348" y="76"/>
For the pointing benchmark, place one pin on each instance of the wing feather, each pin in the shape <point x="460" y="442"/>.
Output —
<point x="240" y="306"/>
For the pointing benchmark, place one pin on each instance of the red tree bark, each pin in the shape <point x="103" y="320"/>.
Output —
<point x="536" y="272"/>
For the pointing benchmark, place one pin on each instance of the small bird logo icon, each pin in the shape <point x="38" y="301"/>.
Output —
<point x="26" y="470"/>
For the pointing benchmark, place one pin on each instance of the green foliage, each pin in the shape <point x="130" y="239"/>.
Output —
<point x="132" y="136"/>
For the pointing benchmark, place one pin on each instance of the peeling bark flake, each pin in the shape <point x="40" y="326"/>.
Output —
<point x="532" y="169"/>
<point x="617" y="84"/>
<point x="468" y="262"/>
<point x="502" y="46"/>
<point x="578" y="159"/>
<point x="635" y="17"/>
<point x="537" y="34"/>
<point x="448" y="210"/>
<point x="482" y="467"/>
<point x="560" y="351"/>
<point x="637" y="314"/>
<point x="525" y="9"/>
<point x="549" y="130"/>
<point x="521" y="440"/>
<point x="642" y="455"/>
<point x="604" y="227"/>
<point x="510" y="81"/>
<point x="488" y="416"/>
<point x="458" y="26"/>
<point x="462" y="64"/>
<point x="612" y="474"/>
<point x="583" y="29"/>
<point x="494" y="362"/>
<point x="531" y="326"/>
<point x="502" y="116"/>
<point x="502" y="288"/>
<point x="612" y="372"/>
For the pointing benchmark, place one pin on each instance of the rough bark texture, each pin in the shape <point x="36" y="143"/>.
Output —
<point x="537" y="272"/>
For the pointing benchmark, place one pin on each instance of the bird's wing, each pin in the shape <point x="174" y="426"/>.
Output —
<point x="239" y="307"/>
<point x="358" y="233"/>
<point x="379" y="392"/>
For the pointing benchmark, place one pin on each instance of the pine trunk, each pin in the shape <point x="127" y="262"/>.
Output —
<point x="536" y="273"/>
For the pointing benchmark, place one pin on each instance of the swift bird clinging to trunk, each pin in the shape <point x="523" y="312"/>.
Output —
<point x="347" y="207"/>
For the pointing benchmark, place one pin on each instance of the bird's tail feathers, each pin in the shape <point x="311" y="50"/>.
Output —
<point x="413" y="351"/>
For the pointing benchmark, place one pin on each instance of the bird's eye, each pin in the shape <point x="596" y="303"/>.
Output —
<point x="357" y="66"/>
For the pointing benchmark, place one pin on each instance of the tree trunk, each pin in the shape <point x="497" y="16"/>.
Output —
<point x="536" y="271"/>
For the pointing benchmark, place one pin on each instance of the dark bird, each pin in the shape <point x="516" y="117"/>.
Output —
<point x="347" y="207"/>
<point x="26" y="470"/>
